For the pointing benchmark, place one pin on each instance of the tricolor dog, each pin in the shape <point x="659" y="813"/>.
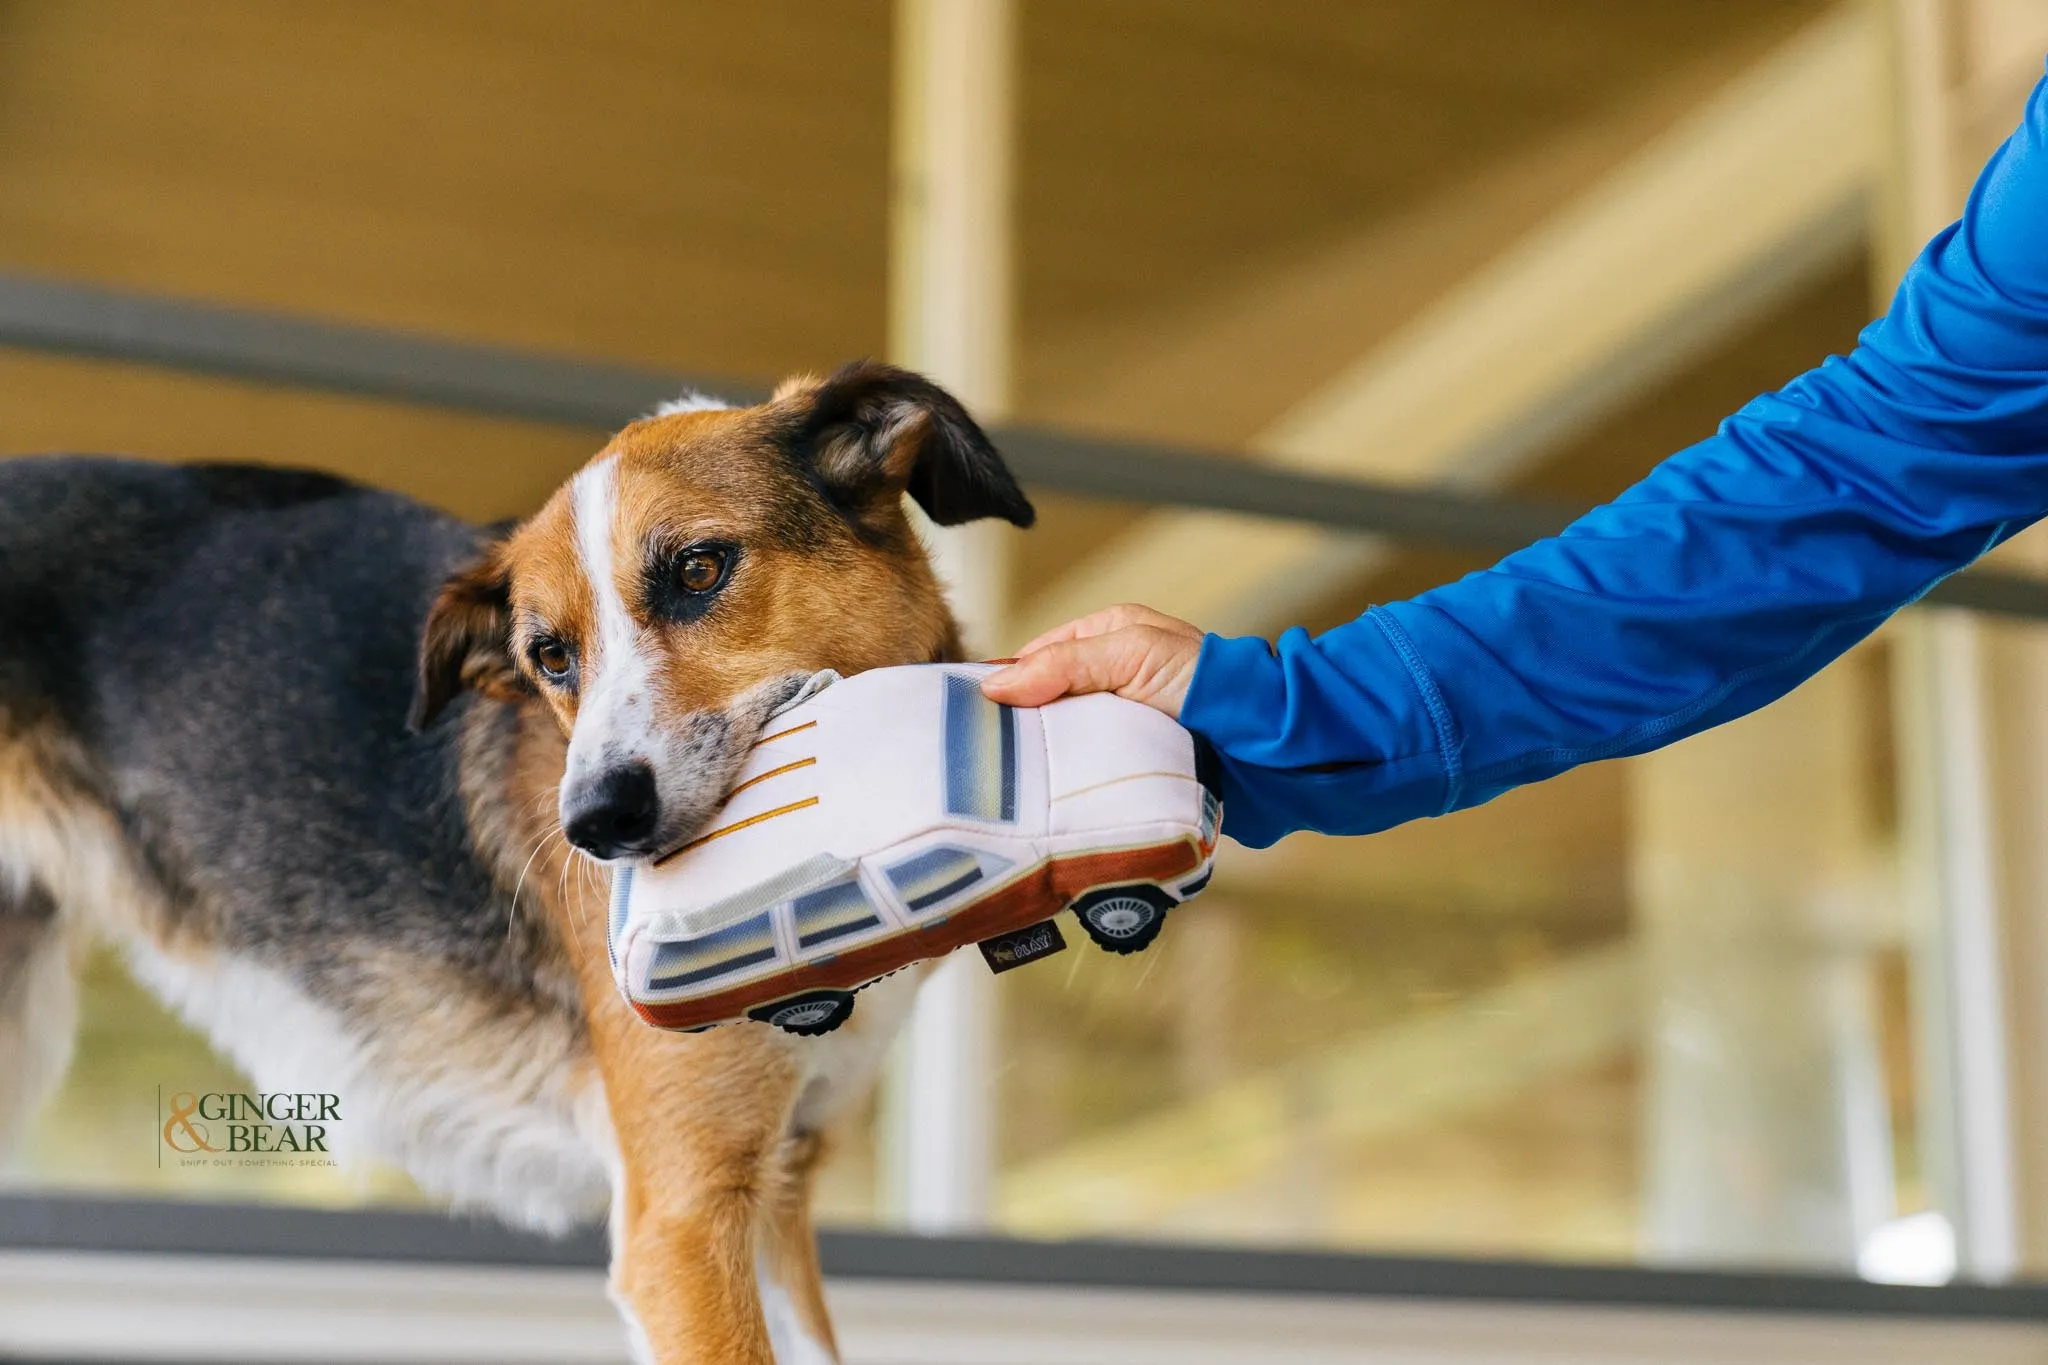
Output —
<point x="337" y="773"/>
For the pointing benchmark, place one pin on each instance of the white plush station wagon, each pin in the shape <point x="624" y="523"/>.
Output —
<point x="897" y="815"/>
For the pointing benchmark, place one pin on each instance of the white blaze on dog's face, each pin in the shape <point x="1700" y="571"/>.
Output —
<point x="698" y="570"/>
<point x="610" y="795"/>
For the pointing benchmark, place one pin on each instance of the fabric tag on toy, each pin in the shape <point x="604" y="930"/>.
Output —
<point x="1020" y="946"/>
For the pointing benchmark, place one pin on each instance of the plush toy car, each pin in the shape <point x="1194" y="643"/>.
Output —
<point x="897" y="815"/>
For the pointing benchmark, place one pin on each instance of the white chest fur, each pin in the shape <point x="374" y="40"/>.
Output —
<point x="505" y="1129"/>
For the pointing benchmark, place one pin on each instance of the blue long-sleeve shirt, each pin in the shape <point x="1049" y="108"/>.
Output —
<point x="1732" y="573"/>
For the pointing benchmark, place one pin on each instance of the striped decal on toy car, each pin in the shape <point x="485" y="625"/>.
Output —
<point x="981" y="753"/>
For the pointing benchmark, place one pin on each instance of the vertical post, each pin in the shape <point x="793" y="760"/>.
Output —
<point x="2000" y="56"/>
<point x="1949" y="852"/>
<point x="950" y="311"/>
<point x="1757" y="857"/>
<point x="2016" y="660"/>
<point x="1949" y="842"/>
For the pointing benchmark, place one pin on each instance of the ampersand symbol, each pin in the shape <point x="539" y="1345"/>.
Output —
<point x="181" y="1123"/>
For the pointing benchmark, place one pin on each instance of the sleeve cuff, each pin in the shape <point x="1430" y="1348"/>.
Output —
<point x="1344" y="733"/>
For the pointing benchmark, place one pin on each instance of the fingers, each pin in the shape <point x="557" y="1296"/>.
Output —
<point x="1141" y="654"/>
<point x="1054" y="670"/>
<point x="1119" y="617"/>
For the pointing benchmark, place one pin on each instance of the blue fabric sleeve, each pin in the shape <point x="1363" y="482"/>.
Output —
<point x="1733" y="572"/>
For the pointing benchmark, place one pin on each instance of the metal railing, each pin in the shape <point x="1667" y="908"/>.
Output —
<point x="61" y="1225"/>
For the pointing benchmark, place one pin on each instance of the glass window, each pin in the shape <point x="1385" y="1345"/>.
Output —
<point x="831" y="913"/>
<point x="929" y="879"/>
<point x="725" y="952"/>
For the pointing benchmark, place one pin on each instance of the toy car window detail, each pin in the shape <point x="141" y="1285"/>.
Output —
<point x="734" y="948"/>
<point x="981" y="753"/>
<point x="832" y="912"/>
<point x="935" y="875"/>
<point x="615" y="918"/>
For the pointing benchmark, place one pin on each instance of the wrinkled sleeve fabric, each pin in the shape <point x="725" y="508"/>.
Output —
<point x="1733" y="572"/>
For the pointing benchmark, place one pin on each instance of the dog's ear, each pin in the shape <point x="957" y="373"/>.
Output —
<point x="870" y="431"/>
<point x="467" y="640"/>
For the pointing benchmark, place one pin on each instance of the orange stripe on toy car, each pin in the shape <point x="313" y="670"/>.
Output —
<point x="736" y="826"/>
<point x="784" y="734"/>
<point x="1111" y="782"/>
<point x="772" y="772"/>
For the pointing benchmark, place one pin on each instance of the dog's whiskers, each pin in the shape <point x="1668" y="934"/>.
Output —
<point x="592" y="878"/>
<point x="562" y="886"/>
<point x="512" y="918"/>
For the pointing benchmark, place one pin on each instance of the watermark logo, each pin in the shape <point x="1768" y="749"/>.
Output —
<point x="247" y="1128"/>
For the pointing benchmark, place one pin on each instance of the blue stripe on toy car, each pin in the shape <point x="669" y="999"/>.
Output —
<point x="934" y="876"/>
<point x="688" y="961"/>
<point x="981" y="753"/>
<point x="832" y="912"/>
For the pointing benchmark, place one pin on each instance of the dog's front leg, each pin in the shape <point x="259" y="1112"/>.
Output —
<point x="698" y="1124"/>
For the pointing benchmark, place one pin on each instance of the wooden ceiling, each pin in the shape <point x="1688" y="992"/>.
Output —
<point x="703" y="186"/>
<point x="1173" y="151"/>
<point x="695" y="185"/>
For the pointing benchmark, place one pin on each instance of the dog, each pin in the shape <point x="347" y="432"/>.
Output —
<point x="339" y="775"/>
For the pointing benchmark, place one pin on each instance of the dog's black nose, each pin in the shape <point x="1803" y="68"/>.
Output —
<point x="613" y="814"/>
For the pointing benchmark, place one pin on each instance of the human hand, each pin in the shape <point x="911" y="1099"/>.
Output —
<point x="1133" y="651"/>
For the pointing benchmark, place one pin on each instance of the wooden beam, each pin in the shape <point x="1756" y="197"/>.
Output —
<point x="1708" y="227"/>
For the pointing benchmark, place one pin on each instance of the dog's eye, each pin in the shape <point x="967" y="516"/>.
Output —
<point x="552" y="658"/>
<point x="702" y="568"/>
<point x="683" y="583"/>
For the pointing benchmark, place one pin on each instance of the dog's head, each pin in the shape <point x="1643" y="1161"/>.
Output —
<point x="696" y="572"/>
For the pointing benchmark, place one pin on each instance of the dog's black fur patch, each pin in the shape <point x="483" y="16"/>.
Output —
<point x="233" y="651"/>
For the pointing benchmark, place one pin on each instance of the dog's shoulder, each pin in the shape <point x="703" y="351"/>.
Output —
<point x="74" y="492"/>
<point x="86" y="525"/>
<point x="234" y="649"/>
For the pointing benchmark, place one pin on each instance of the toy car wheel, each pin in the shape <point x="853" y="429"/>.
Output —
<point x="1123" y="919"/>
<point x="807" y="1015"/>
